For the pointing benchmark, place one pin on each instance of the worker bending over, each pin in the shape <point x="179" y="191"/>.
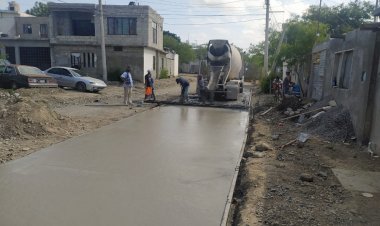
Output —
<point x="184" y="89"/>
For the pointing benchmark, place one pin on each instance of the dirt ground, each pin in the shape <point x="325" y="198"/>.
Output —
<point x="31" y="119"/>
<point x="270" y="190"/>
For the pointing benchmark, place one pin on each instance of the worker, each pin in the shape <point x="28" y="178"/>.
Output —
<point x="287" y="83"/>
<point x="184" y="89"/>
<point x="128" y="85"/>
<point x="149" y="89"/>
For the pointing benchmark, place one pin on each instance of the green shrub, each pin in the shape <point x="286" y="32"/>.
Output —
<point x="164" y="73"/>
<point x="114" y="75"/>
<point x="266" y="82"/>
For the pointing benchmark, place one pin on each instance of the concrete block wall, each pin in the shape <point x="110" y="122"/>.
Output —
<point x="62" y="57"/>
<point x="131" y="56"/>
<point x="355" y="98"/>
<point x="35" y="22"/>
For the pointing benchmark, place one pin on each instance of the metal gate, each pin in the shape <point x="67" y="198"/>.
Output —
<point x="35" y="56"/>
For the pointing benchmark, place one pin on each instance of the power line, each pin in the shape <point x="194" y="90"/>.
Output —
<point x="212" y="15"/>
<point x="231" y="22"/>
<point x="216" y="4"/>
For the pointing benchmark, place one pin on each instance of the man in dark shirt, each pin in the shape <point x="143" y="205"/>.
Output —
<point x="287" y="83"/>
<point x="184" y="88"/>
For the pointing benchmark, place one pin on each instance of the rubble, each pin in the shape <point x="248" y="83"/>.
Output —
<point x="334" y="125"/>
<point x="306" y="177"/>
<point x="261" y="147"/>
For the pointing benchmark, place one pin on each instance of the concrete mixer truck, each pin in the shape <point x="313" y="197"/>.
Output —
<point x="224" y="78"/>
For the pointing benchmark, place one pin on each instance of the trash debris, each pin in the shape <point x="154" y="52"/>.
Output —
<point x="247" y="154"/>
<point x="306" y="177"/>
<point x="257" y="154"/>
<point x="332" y="103"/>
<point x="262" y="147"/>
<point x="368" y="195"/>
<point x="371" y="148"/>
<point x="303" y="137"/>
<point x="322" y="174"/>
<point x="301" y="119"/>
<point x="275" y="136"/>
<point x="318" y="114"/>
<point x="264" y="113"/>
<point x="287" y="144"/>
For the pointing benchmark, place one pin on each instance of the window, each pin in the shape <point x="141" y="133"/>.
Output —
<point x="162" y="63"/>
<point x="342" y="69"/>
<point x="54" y="71"/>
<point x="43" y="31"/>
<point x="118" y="48"/>
<point x="154" y="27"/>
<point x="86" y="60"/>
<point x="27" y="28"/>
<point x="10" y="70"/>
<point x="154" y="62"/>
<point x="121" y="26"/>
<point x="83" y="28"/>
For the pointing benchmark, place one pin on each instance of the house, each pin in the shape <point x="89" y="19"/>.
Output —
<point x="347" y="70"/>
<point x="70" y="36"/>
<point x="133" y="37"/>
<point x="24" y="38"/>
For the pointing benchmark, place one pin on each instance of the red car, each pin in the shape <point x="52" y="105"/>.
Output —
<point x="17" y="76"/>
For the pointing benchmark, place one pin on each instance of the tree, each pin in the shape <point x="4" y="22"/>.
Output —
<point x="184" y="50"/>
<point x="300" y="37"/>
<point x="341" y="18"/>
<point x="39" y="9"/>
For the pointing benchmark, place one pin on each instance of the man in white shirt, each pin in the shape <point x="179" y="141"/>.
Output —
<point x="128" y="85"/>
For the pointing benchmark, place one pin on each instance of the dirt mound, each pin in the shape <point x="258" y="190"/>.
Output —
<point x="335" y="125"/>
<point x="290" y="102"/>
<point x="23" y="117"/>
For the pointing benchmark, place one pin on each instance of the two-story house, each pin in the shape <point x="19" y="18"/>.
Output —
<point x="133" y="37"/>
<point x="71" y="37"/>
<point x="24" y="38"/>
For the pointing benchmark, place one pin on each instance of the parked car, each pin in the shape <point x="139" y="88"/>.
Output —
<point x="74" y="78"/>
<point x="16" y="76"/>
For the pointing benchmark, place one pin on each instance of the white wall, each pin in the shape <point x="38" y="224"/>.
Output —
<point x="176" y="63"/>
<point x="148" y="61"/>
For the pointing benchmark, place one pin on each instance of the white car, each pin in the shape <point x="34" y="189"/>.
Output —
<point x="74" y="78"/>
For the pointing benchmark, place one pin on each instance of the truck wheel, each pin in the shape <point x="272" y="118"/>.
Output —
<point x="241" y="88"/>
<point x="80" y="86"/>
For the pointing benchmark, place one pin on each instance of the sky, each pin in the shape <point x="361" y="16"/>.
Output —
<point x="242" y="22"/>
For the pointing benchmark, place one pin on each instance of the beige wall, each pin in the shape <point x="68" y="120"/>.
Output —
<point x="35" y="22"/>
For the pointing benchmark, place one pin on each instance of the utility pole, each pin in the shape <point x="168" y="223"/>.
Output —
<point x="319" y="16"/>
<point x="266" y="54"/>
<point x="102" y="42"/>
<point x="377" y="6"/>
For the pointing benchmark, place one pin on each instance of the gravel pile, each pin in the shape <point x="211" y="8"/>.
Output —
<point x="334" y="125"/>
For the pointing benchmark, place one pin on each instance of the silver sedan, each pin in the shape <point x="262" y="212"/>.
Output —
<point x="74" y="78"/>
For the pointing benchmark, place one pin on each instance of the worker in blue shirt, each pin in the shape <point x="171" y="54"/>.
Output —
<point x="184" y="89"/>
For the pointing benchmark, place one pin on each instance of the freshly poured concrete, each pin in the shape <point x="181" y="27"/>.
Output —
<point x="168" y="166"/>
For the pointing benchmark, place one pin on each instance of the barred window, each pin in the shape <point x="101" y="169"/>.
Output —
<point x="27" y="28"/>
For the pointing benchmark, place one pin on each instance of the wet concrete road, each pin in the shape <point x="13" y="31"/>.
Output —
<point x="167" y="166"/>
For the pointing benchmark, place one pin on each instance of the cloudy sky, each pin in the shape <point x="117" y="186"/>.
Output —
<point x="241" y="22"/>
